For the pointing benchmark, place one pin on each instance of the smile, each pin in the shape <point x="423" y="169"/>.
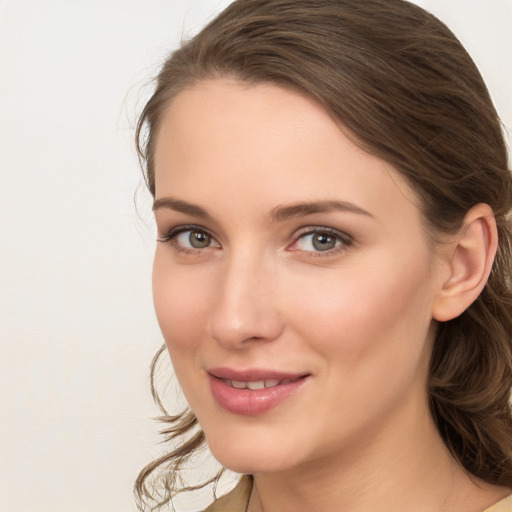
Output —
<point x="253" y="392"/>
<point x="256" y="384"/>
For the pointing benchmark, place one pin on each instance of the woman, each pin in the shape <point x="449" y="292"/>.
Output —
<point x="332" y="277"/>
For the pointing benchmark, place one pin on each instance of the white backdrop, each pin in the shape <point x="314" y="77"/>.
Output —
<point x="77" y="330"/>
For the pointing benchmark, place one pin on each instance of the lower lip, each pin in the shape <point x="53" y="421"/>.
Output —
<point x="250" y="402"/>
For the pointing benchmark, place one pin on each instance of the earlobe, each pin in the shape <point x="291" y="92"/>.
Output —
<point x="470" y="260"/>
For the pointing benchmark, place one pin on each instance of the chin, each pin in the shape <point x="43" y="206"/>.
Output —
<point x="249" y="455"/>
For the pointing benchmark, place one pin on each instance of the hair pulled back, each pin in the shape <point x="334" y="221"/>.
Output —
<point x="401" y="85"/>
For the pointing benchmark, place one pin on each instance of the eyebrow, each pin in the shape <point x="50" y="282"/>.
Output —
<point x="278" y="214"/>
<point x="282" y="213"/>
<point x="181" y="206"/>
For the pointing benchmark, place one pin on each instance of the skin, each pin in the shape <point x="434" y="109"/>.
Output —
<point x="359" y="318"/>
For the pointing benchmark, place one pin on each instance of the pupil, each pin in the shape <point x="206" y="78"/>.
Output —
<point x="199" y="240"/>
<point x="323" y="242"/>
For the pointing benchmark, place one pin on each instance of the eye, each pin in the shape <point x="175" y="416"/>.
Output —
<point x="194" y="239"/>
<point x="189" y="238"/>
<point x="321" y="240"/>
<point x="317" y="242"/>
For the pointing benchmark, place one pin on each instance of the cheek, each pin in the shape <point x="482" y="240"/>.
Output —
<point x="181" y="298"/>
<point x="369" y="311"/>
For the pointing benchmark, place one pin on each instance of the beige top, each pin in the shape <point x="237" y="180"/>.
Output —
<point x="238" y="499"/>
<point x="505" y="505"/>
<point x="235" y="501"/>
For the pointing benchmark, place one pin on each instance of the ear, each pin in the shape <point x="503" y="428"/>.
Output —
<point x="469" y="257"/>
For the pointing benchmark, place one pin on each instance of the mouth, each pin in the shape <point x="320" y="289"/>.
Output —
<point x="258" y="384"/>
<point x="253" y="392"/>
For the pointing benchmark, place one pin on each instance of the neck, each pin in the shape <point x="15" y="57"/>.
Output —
<point x="401" y="468"/>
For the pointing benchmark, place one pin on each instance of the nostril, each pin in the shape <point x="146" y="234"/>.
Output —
<point x="244" y="325"/>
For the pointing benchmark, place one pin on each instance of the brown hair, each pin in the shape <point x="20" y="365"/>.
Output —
<point x="404" y="89"/>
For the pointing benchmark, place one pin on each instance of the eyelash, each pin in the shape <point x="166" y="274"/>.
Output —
<point x="345" y="240"/>
<point x="172" y="235"/>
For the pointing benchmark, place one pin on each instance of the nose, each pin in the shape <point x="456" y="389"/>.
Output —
<point x="246" y="304"/>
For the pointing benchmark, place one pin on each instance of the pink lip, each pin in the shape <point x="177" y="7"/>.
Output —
<point x="251" y="402"/>
<point x="252" y="374"/>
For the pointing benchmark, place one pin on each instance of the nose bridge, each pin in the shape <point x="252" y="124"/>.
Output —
<point x="245" y="307"/>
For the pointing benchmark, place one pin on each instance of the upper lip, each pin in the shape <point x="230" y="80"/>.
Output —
<point x="253" y="374"/>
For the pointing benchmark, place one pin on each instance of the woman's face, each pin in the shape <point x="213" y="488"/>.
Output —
<point x="293" y="279"/>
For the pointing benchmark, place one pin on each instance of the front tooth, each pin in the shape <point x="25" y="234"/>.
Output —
<point x="258" y="384"/>
<point x="238" y="384"/>
<point x="270" y="383"/>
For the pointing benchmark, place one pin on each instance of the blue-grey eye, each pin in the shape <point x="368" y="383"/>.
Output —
<point x="319" y="241"/>
<point x="194" y="239"/>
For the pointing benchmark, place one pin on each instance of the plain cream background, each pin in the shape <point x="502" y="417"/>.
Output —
<point x="77" y="330"/>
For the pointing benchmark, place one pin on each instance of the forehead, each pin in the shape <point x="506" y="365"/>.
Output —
<point x="224" y="140"/>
